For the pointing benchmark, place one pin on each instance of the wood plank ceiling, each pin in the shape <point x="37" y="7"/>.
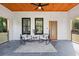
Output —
<point x="29" y="7"/>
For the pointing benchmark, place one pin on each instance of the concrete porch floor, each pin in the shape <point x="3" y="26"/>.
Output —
<point x="63" y="47"/>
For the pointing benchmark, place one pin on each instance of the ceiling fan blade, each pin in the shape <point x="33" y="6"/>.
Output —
<point x="36" y="8"/>
<point x="44" y="4"/>
<point x="42" y="9"/>
<point x="36" y="4"/>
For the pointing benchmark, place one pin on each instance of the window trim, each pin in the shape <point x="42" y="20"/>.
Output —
<point x="30" y="26"/>
<point x="42" y="26"/>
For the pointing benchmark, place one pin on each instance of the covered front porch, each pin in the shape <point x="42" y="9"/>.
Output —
<point x="25" y="31"/>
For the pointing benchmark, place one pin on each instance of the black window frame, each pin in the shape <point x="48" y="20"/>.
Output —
<point x="42" y="26"/>
<point x="30" y="26"/>
<point x="6" y="30"/>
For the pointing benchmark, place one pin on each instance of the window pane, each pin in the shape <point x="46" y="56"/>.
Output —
<point x="38" y="25"/>
<point x="26" y="22"/>
<point x="39" y="29"/>
<point x="3" y="25"/>
<point x="29" y="23"/>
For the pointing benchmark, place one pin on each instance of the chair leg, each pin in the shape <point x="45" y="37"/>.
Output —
<point x="47" y="42"/>
<point x="40" y="41"/>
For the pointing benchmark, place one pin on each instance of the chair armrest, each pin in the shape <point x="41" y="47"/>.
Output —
<point x="21" y="37"/>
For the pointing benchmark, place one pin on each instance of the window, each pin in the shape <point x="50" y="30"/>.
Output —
<point x="38" y="25"/>
<point x="75" y="26"/>
<point x="26" y="25"/>
<point x="3" y="24"/>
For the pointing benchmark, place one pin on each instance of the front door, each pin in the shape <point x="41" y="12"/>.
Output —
<point x="53" y="30"/>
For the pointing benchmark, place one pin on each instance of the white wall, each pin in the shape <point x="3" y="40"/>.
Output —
<point x="74" y="12"/>
<point x="60" y="17"/>
<point x="4" y="12"/>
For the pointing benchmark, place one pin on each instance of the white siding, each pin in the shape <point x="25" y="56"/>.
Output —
<point x="60" y="17"/>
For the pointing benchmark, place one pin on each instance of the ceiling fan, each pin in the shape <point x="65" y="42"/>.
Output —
<point x="40" y="5"/>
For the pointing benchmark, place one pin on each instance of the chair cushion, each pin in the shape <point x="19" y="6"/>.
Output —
<point x="26" y="37"/>
<point x="23" y="35"/>
<point x="45" y="37"/>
